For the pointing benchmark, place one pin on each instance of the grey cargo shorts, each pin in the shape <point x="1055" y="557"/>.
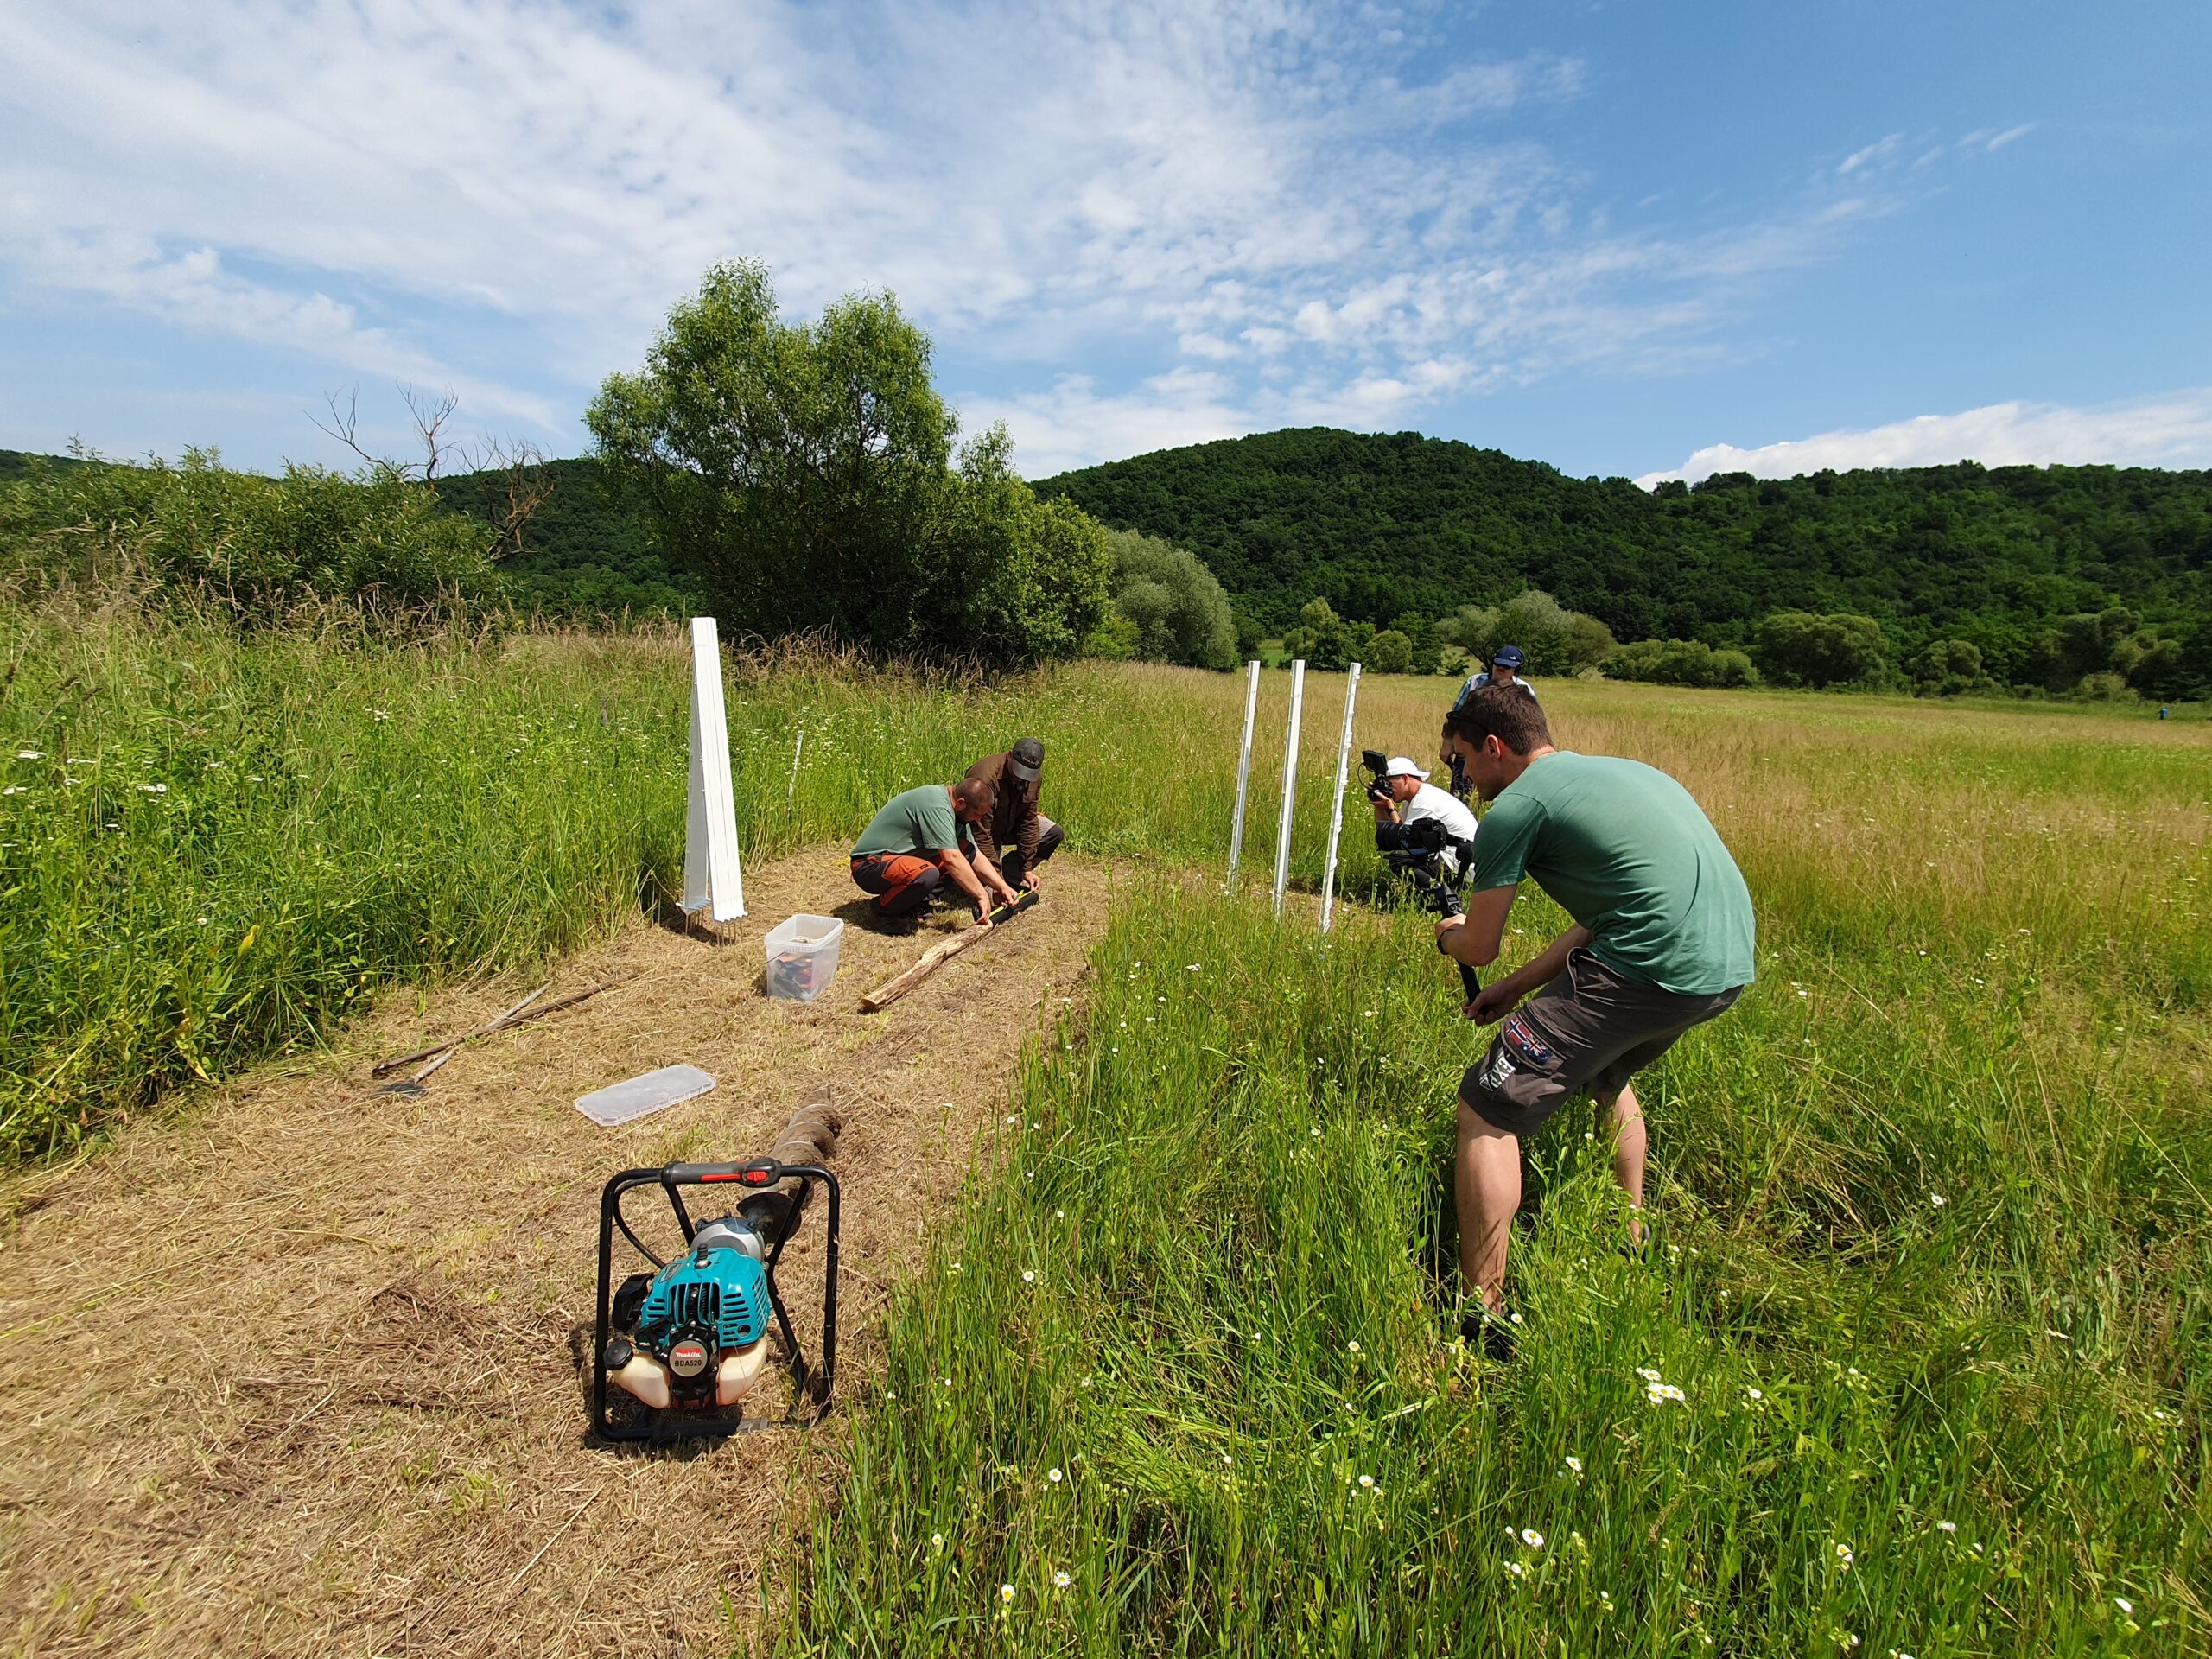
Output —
<point x="1589" y="1031"/>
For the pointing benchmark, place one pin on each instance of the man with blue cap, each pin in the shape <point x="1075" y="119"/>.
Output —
<point x="1504" y="670"/>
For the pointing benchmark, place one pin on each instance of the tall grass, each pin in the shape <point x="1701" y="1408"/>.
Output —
<point x="1933" y="1268"/>
<point x="1932" y="1291"/>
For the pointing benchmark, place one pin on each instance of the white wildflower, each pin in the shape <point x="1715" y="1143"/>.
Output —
<point x="1006" y="1592"/>
<point x="2124" y="1605"/>
<point x="1575" y="1464"/>
<point x="1531" y="1537"/>
<point x="1054" y="1476"/>
<point x="1947" y="1526"/>
<point x="1060" y="1580"/>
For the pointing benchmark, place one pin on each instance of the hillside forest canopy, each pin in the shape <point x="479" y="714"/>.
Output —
<point x="805" y="476"/>
<point x="1971" y="578"/>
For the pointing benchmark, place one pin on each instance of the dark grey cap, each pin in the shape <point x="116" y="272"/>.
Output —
<point x="1025" y="760"/>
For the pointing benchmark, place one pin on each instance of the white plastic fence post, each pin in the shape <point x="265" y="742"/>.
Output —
<point x="712" y="880"/>
<point x="1243" y="770"/>
<point x="1337" y="805"/>
<point x="791" y="788"/>
<point x="1289" y="779"/>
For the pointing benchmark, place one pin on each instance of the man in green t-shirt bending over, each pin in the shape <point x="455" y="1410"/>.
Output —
<point x="1663" y="941"/>
<point x="922" y="838"/>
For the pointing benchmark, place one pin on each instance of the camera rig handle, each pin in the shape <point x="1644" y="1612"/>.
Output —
<point x="1448" y="902"/>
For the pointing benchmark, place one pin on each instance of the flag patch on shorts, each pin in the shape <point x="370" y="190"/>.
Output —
<point x="1521" y="1036"/>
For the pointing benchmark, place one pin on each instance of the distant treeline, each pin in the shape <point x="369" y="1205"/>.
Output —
<point x="2049" y="575"/>
<point x="2066" y="580"/>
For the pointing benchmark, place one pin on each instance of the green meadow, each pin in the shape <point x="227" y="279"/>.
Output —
<point x="1932" y="1265"/>
<point x="1918" y="1363"/>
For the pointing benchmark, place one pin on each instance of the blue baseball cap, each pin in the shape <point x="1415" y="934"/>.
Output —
<point x="1507" y="657"/>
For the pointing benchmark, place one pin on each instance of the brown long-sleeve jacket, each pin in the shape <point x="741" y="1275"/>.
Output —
<point x="1015" y="822"/>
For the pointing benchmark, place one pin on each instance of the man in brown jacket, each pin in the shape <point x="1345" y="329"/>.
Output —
<point x="1016" y="823"/>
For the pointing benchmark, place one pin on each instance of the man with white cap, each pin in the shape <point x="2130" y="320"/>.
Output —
<point x="1404" y="797"/>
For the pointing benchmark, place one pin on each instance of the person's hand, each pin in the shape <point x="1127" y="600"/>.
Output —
<point x="1494" y="1002"/>
<point x="1029" y="881"/>
<point x="1445" y="924"/>
<point x="983" y="916"/>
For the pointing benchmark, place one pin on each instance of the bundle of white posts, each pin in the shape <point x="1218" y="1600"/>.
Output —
<point x="712" y="881"/>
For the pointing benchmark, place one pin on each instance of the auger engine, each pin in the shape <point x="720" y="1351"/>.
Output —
<point x="684" y="1344"/>
<point x="695" y="1333"/>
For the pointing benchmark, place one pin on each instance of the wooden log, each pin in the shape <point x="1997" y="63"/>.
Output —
<point x="934" y="959"/>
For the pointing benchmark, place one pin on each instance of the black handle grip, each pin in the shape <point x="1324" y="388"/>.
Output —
<point x="1471" y="981"/>
<point x="754" y="1172"/>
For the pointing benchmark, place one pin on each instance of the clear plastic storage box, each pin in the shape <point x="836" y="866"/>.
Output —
<point x="803" y="956"/>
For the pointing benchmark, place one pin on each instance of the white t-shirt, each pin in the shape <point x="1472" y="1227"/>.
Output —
<point x="1434" y="802"/>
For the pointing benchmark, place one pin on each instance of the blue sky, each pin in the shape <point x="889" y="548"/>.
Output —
<point x="1648" y="239"/>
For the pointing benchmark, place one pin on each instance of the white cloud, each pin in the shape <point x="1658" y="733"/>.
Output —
<point x="1880" y="151"/>
<point x="1075" y="424"/>
<point x="2171" y="431"/>
<point x="504" y="196"/>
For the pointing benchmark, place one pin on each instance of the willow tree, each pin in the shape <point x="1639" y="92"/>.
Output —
<point x="805" y="473"/>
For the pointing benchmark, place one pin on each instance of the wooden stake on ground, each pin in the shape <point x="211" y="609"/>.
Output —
<point x="935" y="958"/>
<point x="514" y="1016"/>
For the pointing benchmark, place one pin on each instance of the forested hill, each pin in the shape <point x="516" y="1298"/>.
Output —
<point x="1384" y="525"/>
<point x="584" y="552"/>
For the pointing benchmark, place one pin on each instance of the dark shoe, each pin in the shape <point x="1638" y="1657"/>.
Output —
<point x="1491" y="1334"/>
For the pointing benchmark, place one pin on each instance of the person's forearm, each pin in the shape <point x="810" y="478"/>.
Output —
<point x="1534" y="976"/>
<point x="963" y="877"/>
<point x="987" y="872"/>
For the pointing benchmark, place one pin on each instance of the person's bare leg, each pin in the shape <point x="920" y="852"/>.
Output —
<point x="1629" y="1139"/>
<point x="1488" y="1191"/>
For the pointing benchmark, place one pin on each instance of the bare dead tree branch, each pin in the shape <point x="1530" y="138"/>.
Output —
<point x="526" y="488"/>
<point x="345" y="425"/>
<point x="430" y="413"/>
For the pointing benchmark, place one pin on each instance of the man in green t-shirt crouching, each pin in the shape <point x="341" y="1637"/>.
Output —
<point x="1663" y="941"/>
<point x="922" y="838"/>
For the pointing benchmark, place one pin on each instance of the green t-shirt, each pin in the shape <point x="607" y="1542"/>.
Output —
<point x="1624" y="850"/>
<point x="918" y="821"/>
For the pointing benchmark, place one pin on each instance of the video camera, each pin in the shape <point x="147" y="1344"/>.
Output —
<point x="1378" y="785"/>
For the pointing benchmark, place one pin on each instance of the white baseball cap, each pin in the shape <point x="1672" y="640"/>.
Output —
<point x="1400" y="766"/>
